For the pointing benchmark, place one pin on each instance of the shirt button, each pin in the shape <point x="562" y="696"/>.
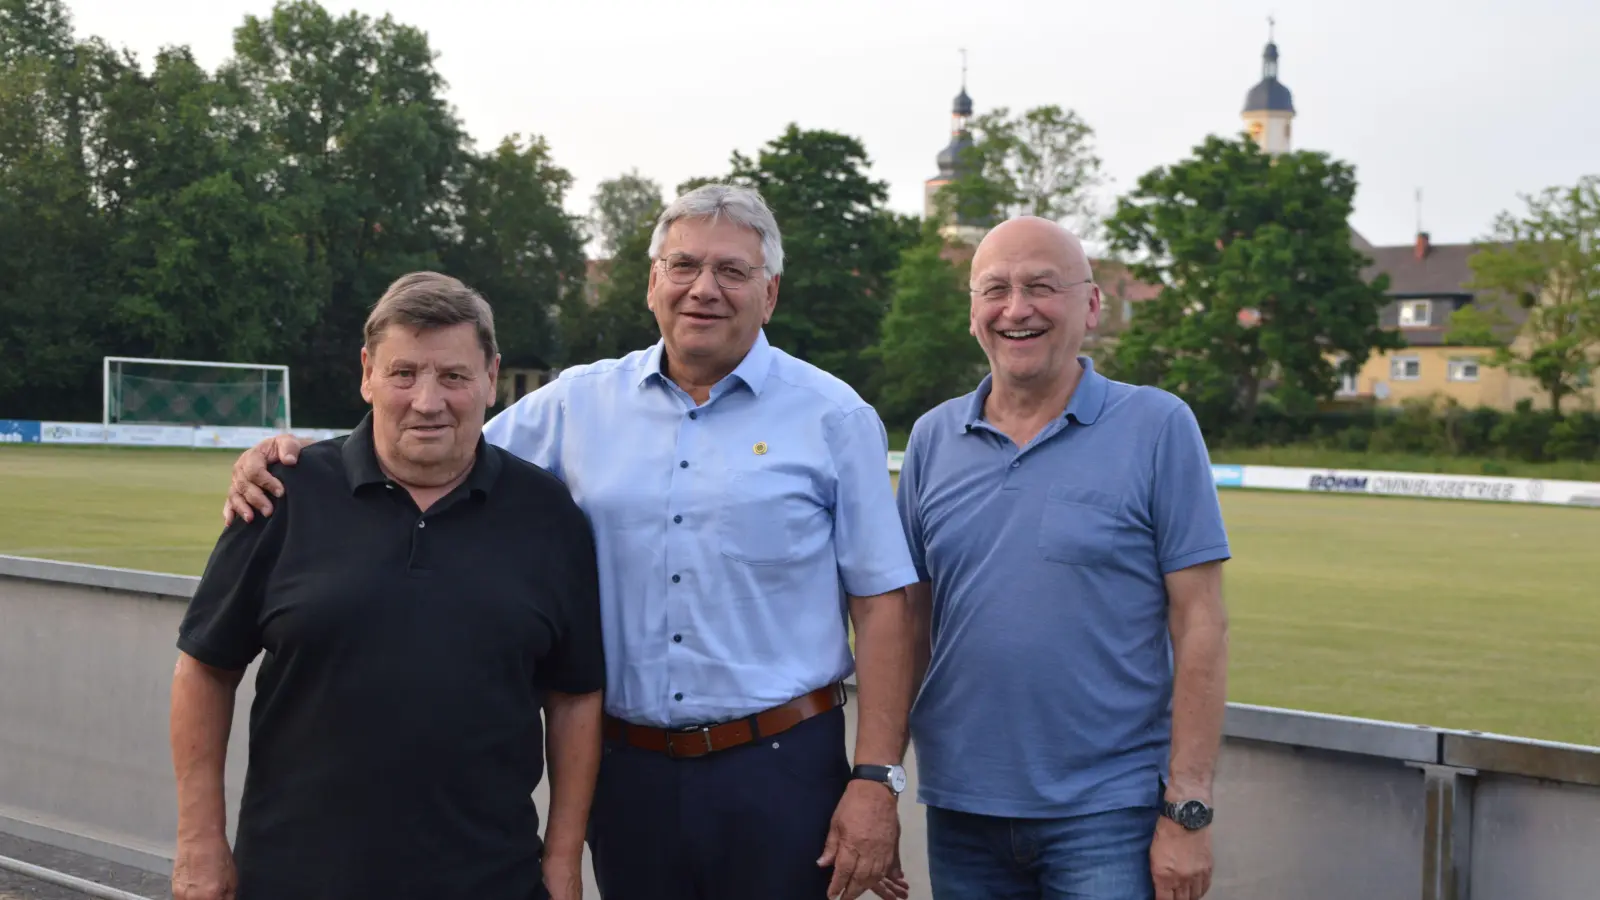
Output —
<point x="1015" y="463"/>
<point x="693" y="414"/>
<point x="675" y="579"/>
<point x="677" y="520"/>
<point x="677" y="696"/>
<point x="683" y="464"/>
<point x="677" y="639"/>
<point x="422" y="524"/>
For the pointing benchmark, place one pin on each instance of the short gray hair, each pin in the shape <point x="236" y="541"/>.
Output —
<point x="742" y="205"/>
<point x="427" y="300"/>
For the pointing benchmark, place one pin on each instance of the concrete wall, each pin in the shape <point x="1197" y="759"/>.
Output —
<point x="1309" y="806"/>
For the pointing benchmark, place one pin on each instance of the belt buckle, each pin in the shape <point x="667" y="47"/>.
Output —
<point x="705" y="732"/>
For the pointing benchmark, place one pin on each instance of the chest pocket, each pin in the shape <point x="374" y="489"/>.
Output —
<point x="765" y="515"/>
<point x="1079" y="525"/>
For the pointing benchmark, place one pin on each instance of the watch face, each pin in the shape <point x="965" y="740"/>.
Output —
<point x="1194" y="814"/>
<point x="897" y="778"/>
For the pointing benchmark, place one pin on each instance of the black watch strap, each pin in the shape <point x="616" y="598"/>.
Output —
<point x="891" y="777"/>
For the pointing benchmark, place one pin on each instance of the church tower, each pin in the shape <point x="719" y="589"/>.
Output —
<point x="1269" y="107"/>
<point x="950" y="164"/>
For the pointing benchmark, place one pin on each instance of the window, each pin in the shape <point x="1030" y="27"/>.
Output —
<point x="1415" y="313"/>
<point x="1405" y="368"/>
<point x="1463" y="370"/>
<point x="1347" y="385"/>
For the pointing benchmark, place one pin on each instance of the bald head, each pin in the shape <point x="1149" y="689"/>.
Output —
<point x="1033" y="301"/>
<point x="1031" y="237"/>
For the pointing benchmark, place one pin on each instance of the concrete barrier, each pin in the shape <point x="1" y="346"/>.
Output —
<point x="1309" y="806"/>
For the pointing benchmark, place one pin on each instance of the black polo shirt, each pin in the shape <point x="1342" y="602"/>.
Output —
<point x="395" y="738"/>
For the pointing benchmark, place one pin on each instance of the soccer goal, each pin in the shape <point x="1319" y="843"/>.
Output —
<point x="188" y="392"/>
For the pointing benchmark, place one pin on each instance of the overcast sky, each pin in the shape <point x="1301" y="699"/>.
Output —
<point x="1472" y="102"/>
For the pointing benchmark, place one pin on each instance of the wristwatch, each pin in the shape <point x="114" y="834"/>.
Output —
<point x="1193" y="815"/>
<point x="891" y="777"/>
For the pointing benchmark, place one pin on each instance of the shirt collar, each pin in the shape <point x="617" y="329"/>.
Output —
<point x="360" y="456"/>
<point x="752" y="370"/>
<point x="1088" y="398"/>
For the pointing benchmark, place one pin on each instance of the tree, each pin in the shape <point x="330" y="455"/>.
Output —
<point x="206" y="260"/>
<point x="369" y="156"/>
<point x="517" y="245"/>
<point x="1041" y="163"/>
<point x="34" y="28"/>
<point x="620" y="321"/>
<point x="621" y="205"/>
<point x="840" y="244"/>
<point x="926" y="352"/>
<point x="1260" y="281"/>
<point x="55" y="283"/>
<point x="1547" y="261"/>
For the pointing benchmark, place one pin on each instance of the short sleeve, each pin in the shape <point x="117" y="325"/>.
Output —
<point x="530" y="428"/>
<point x="1184" y="504"/>
<point x="909" y="502"/>
<point x="222" y="625"/>
<point x="868" y="537"/>
<point x="577" y="663"/>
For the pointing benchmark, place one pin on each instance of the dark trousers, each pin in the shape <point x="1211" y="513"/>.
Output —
<point x="738" y="824"/>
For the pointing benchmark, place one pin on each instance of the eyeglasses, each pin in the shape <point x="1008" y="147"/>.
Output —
<point x="1033" y="290"/>
<point x="731" y="274"/>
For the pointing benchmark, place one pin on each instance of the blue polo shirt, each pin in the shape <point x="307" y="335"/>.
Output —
<point x="729" y="535"/>
<point x="1050" y="686"/>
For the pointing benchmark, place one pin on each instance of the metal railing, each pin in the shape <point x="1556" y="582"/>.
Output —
<point x="1310" y="806"/>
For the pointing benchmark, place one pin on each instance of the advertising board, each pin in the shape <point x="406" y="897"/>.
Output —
<point x="14" y="431"/>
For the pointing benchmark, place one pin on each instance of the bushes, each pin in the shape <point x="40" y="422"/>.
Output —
<point x="1428" y="428"/>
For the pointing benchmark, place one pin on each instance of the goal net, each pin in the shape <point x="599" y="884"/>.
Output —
<point x="185" y="392"/>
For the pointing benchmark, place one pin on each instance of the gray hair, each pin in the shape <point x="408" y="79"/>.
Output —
<point x="428" y="300"/>
<point x="743" y="206"/>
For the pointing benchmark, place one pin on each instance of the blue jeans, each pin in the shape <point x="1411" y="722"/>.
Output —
<point x="1105" y="856"/>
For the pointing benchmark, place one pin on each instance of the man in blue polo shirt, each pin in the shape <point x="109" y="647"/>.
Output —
<point x="1069" y="542"/>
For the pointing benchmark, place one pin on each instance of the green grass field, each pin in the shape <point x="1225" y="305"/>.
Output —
<point x="1464" y="615"/>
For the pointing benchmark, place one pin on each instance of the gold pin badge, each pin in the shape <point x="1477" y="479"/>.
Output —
<point x="760" y="447"/>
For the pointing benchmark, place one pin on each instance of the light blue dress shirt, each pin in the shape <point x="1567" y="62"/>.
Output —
<point x="729" y="535"/>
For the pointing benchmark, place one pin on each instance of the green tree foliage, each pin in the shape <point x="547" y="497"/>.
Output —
<point x="1260" y="280"/>
<point x="1040" y="162"/>
<point x="621" y="206"/>
<point x="523" y="251"/>
<point x="1547" y="261"/>
<point x="618" y="321"/>
<point x="926" y="353"/>
<point x="840" y="244"/>
<point x="368" y="152"/>
<point x="253" y="214"/>
<point x="206" y="253"/>
<point x="55" y="283"/>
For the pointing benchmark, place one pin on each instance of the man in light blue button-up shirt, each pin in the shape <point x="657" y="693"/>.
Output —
<point x="743" y="518"/>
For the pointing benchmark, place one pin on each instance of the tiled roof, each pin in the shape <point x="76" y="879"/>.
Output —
<point x="1443" y="273"/>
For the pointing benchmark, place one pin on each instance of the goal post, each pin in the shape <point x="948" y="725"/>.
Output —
<point x="140" y="391"/>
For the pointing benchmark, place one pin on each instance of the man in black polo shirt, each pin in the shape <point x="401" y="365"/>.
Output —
<point x="420" y="597"/>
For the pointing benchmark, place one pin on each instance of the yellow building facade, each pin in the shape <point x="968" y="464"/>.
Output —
<point x="1429" y="283"/>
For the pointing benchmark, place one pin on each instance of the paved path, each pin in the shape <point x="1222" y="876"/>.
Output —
<point x="14" y="886"/>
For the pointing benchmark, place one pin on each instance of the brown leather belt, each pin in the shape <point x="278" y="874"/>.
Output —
<point x="700" y="740"/>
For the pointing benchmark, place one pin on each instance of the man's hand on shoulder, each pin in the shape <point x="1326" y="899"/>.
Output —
<point x="252" y="482"/>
